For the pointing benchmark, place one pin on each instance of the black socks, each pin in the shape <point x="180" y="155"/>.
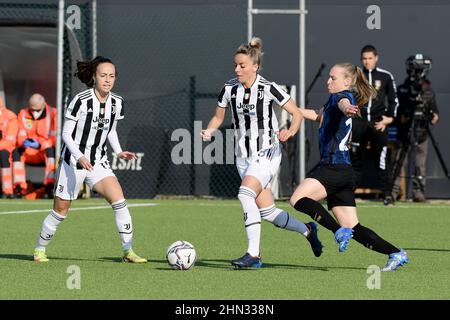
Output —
<point x="361" y="234"/>
<point x="316" y="211"/>
<point x="371" y="240"/>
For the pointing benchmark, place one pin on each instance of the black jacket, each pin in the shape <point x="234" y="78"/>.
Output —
<point x="386" y="102"/>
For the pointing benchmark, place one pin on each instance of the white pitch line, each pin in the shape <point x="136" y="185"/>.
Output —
<point x="79" y="208"/>
<point x="21" y="203"/>
<point x="431" y="206"/>
<point x="40" y="203"/>
<point x="207" y="204"/>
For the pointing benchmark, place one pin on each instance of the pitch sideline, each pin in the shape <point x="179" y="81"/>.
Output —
<point x="78" y="209"/>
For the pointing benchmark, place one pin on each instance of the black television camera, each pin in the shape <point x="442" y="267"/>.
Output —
<point x="417" y="67"/>
<point x="418" y="103"/>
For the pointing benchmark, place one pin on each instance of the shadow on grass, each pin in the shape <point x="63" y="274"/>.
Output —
<point x="205" y="263"/>
<point x="102" y="259"/>
<point x="220" y="264"/>
<point x="426" y="249"/>
<point x="29" y="257"/>
<point x="225" y="264"/>
<point x="15" y="256"/>
<point x="164" y="266"/>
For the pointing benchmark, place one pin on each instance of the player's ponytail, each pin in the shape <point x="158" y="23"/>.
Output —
<point x="359" y="84"/>
<point x="86" y="69"/>
<point x="252" y="49"/>
<point x="364" y="91"/>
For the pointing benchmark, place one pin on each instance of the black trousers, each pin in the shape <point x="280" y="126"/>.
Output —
<point x="363" y="132"/>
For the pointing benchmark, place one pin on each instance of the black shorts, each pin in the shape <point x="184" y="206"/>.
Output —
<point x="339" y="182"/>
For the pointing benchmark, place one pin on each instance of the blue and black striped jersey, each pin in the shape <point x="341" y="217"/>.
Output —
<point x="335" y="130"/>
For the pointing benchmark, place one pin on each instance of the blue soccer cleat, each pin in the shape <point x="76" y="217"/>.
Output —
<point x="396" y="260"/>
<point x="313" y="239"/>
<point x="343" y="236"/>
<point x="247" y="261"/>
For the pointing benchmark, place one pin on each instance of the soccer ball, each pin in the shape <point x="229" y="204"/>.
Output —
<point x="181" y="255"/>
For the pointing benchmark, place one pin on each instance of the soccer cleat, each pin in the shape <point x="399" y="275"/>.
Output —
<point x="40" y="256"/>
<point x="343" y="236"/>
<point x="19" y="192"/>
<point x="316" y="245"/>
<point x="396" y="260"/>
<point x="420" y="198"/>
<point x="247" y="261"/>
<point x="388" y="200"/>
<point x="130" y="256"/>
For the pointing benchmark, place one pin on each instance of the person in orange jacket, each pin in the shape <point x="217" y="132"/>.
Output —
<point x="36" y="142"/>
<point x="8" y="135"/>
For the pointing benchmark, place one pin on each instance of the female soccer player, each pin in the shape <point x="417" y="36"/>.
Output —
<point x="334" y="178"/>
<point x="90" y="120"/>
<point x="257" y="148"/>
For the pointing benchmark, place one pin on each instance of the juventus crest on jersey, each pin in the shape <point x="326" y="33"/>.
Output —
<point x="94" y="121"/>
<point x="254" y="121"/>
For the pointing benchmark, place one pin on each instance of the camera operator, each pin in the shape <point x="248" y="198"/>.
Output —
<point x="375" y="117"/>
<point x="416" y="111"/>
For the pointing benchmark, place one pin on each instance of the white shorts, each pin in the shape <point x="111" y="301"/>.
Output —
<point x="70" y="179"/>
<point x="263" y="166"/>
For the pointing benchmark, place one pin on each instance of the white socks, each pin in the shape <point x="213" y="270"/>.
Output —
<point x="48" y="229"/>
<point x="123" y="223"/>
<point x="121" y="215"/>
<point x="283" y="219"/>
<point x="252" y="219"/>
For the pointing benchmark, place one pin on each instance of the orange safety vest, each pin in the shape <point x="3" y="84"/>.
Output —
<point x="42" y="129"/>
<point x="8" y="129"/>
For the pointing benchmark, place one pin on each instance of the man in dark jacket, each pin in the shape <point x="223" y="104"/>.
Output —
<point x="376" y="116"/>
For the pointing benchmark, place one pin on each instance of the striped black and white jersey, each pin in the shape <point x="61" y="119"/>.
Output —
<point x="94" y="121"/>
<point x="253" y="117"/>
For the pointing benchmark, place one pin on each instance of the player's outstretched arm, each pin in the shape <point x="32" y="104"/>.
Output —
<point x="215" y="122"/>
<point x="311" y="114"/>
<point x="347" y="108"/>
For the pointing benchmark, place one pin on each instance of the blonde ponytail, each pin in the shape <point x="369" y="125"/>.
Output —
<point x="364" y="91"/>
<point x="252" y="49"/>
